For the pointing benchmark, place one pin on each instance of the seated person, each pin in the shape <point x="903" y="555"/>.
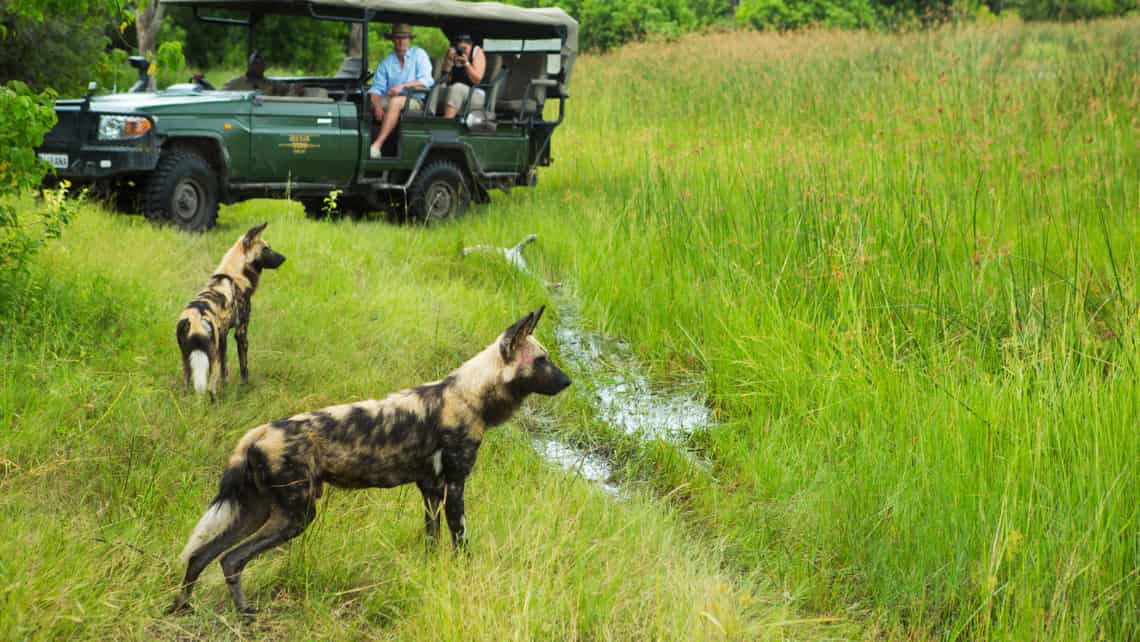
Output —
<point x="463" y="69"/>
<point x="405" y="68"/>
<point x="254" y="79"/>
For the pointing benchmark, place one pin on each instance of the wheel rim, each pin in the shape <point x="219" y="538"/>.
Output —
<point x="440" y="200"/>
<point x="187" y="200"/>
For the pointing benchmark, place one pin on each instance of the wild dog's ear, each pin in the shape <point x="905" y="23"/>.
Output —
<point x="252" y="234"/>
<point x="534" y="317"/>
<point x="515" y="336"/>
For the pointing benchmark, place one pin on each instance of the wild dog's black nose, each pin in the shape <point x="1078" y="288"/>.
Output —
<point x="274" y="260"/>
<point x="561" y="382"/>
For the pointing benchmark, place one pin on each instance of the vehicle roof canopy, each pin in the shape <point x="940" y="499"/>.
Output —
<point x="480" y="19"/>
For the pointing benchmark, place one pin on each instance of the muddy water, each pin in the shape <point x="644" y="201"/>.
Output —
<point x="590" y="466"/>
<point x="620" y="390"/>
<point x="605" y="369"/>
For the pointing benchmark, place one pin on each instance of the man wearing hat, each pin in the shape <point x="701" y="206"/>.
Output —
<point x="404" y="69"/>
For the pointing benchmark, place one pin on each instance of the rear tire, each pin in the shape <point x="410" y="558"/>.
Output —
<point x="184" y="191"/>
<point x="439" y="192"/>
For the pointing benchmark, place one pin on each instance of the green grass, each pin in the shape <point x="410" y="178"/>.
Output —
<point x="904" y="268"/>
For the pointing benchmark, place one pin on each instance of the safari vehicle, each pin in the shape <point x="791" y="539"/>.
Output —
<point x="177" y="153"/>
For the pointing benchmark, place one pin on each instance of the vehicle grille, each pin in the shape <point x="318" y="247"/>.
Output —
<point x="67" y="131"/>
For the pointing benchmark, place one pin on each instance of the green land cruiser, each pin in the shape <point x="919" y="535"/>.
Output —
<point x="176" y="154"/>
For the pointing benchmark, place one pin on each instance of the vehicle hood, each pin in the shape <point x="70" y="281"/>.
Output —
<point x="158" y="101"/>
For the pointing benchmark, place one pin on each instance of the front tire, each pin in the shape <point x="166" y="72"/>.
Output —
<point x="184" y="191"/>
<point x="439" y="192"/>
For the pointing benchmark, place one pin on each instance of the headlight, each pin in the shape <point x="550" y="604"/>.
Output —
<point x="120" y="127"/>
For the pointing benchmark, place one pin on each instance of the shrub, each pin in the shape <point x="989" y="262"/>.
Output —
<point x="25" y="116"/>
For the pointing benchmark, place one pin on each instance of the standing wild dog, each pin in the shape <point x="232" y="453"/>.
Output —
<point x="224" y="304"/>
<point x="429" y="435"/>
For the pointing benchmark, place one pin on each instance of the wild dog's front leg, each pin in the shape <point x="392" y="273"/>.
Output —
<point x="453" y="508"/>
<point x="243" y="345"/>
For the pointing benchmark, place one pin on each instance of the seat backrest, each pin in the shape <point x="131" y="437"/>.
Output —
<point x="523" y="69"/>
<point x="349" y="68"/>
<point x="437" y="70"/>
<point x="494" y="66"/>
<point x="431" y="104"/>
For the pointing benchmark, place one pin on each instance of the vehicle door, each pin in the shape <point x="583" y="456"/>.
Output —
<point x="300" y="140"/>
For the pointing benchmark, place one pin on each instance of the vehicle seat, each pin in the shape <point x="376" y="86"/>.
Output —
<point x="349" y="68"/>
<point x="520" y="98"/>
<point x="431" y="103"/>
<point x="498" y="75"/>
<point x="316" y="92"/>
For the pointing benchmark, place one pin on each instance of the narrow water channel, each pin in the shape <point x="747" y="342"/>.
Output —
<point x="607" y="372"/>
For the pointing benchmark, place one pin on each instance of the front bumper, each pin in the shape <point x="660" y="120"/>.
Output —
<point x="93" y="162"/>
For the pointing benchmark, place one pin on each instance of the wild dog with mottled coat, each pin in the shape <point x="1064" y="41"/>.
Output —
<point x="224" y="304"/>
<point x="428" y="435"/>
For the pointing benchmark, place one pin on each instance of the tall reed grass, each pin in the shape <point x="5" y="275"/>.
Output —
<point x="906" y="269"/>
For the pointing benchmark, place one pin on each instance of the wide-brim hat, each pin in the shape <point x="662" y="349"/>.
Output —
<point x="400" y="29"/>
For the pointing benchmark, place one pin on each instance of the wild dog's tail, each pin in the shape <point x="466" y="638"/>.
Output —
<point x="199" y="369"/>
<point x="241" y="479"/>
<point x="194" y="337"/>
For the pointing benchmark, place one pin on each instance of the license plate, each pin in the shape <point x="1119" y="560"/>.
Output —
<point x="57" y="160"/>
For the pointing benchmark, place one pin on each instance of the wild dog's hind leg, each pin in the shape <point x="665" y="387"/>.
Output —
<point x="292" y="513"/>
<point x="433" y="498"/>
<point x="240" y="333"/>
<point x="250" y="518"/>
<point x="185" y="368"/>
<point x="215" y="384"/>
<point x="222" y="341"/>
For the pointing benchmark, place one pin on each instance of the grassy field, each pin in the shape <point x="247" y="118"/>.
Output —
<point x="903" y="268"/>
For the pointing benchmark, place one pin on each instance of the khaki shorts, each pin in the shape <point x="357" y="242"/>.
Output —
<point x="414" y="103"/>
<point x="457" y="94"/>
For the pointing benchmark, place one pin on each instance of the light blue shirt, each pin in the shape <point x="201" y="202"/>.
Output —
<point x="417" y="66"/>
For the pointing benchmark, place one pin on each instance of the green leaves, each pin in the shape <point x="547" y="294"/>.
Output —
<point x="25" y="116"/>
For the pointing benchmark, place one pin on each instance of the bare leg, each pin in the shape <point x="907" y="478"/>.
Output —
<point x="391" y="117"/>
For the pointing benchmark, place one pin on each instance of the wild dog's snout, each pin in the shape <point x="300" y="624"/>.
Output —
<point x="272" y="260"/>
<point x="553" y="380"/>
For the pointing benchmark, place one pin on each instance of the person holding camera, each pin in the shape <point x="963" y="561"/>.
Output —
<point x="463" y="68"/>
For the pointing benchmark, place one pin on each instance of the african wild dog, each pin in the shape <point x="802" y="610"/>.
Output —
<point x="428" y="435"/>
<point x="224" y="304"/>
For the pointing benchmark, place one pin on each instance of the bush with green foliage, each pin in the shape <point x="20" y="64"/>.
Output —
<point x="54" y="52"/>
<point x="25" y="116"/>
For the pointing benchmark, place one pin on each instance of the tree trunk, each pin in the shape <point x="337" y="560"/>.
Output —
<point x="147" y="22"/>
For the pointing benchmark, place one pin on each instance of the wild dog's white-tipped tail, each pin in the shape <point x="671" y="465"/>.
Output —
<point x="217" y="519"/>
<point x="200" y="368"/>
